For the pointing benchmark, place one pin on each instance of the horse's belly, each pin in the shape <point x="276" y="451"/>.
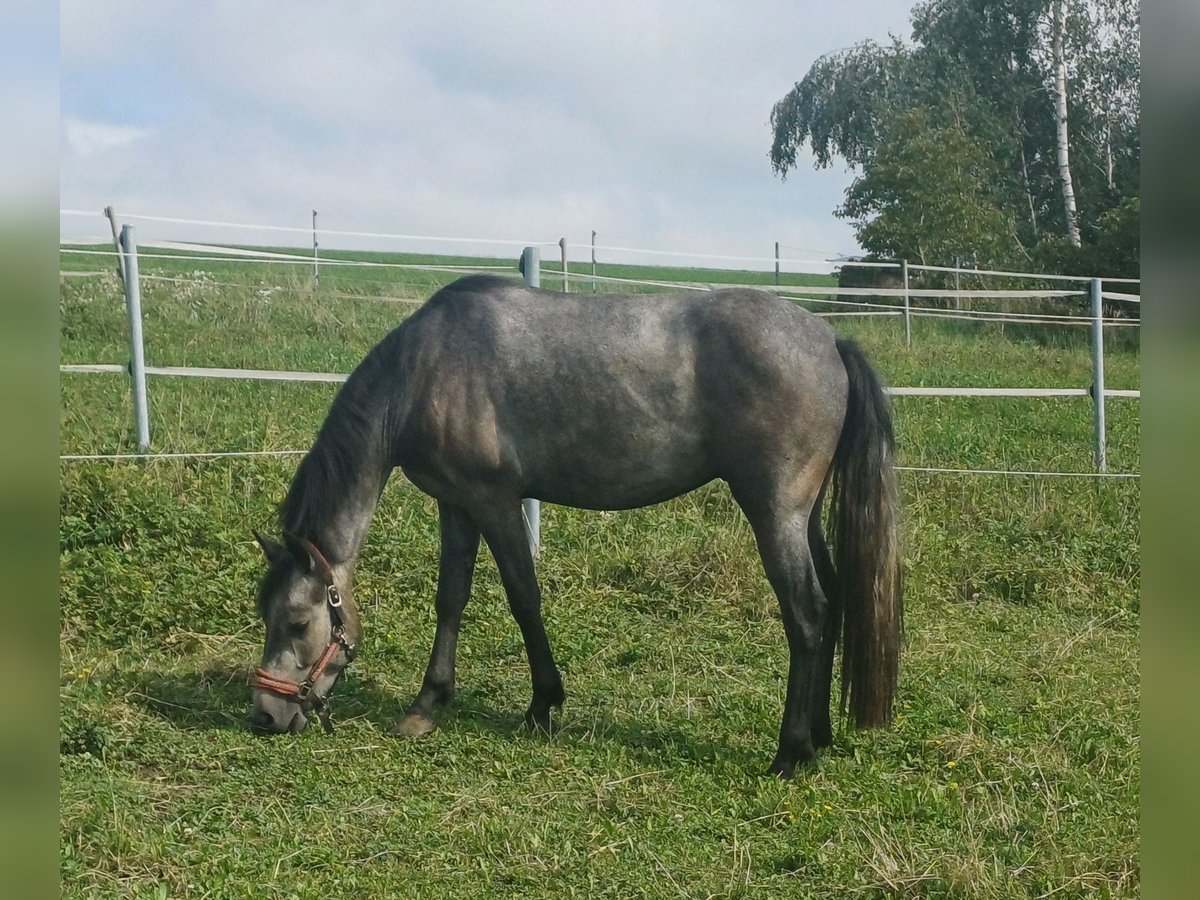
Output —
<point x="620" y="470"/>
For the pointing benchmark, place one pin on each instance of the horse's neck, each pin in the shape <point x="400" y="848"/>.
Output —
<point x="341" y="503"/>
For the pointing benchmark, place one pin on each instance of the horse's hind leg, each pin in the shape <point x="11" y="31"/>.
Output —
<point x="460" y="547"/>
<point x="504" y="530"/>
<point x="783" y="542"/>
<point x="822" y="726"/>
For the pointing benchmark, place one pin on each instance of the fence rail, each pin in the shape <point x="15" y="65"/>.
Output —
<point x="338" y="378"/>
<point x="129" y="256"/>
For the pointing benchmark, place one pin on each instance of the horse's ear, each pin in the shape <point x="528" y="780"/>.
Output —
<point x="299" y="553"/>
<point x="272" y="550"/>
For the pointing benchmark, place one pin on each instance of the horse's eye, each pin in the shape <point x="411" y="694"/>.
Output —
<point x="297" y="628"/>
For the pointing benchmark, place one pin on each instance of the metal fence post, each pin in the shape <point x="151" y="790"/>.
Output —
<point x="1098" y="373"/>
<point x="111" y="215"/>
<point x="531" y="509"/>
<point x="593" y="260"/>
<point x="137" y="352"/>
<point x="907" y="307"/>
<point x="562" y="246"/>
<point x="777" y="262"/>
<point x="316" y="257"/>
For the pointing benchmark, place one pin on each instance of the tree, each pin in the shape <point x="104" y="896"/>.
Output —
<point x="1046" y="90"/>
<point x="1058" y="27"/>
<point x="944" y="174"/>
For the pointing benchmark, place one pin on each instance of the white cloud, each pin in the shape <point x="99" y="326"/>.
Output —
<point x="88" y="138"/>
<point x="644" y="120"/>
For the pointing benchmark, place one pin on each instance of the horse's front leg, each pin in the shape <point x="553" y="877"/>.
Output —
<point x="460" y="546"/>
<point x="504" y="531"/>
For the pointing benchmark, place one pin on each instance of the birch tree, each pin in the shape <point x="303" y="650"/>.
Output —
<point x="1062" y="140"/>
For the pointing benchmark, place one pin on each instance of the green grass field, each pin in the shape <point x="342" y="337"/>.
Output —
<point x="1012" y="769"/>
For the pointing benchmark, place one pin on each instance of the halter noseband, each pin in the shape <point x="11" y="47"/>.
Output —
<point x="305" y="692"/>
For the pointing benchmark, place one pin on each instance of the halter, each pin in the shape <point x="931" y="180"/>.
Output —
<point x="305" y="692"/>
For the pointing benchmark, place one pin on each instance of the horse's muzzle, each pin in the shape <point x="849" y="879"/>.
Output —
<point x="262" y="722"/>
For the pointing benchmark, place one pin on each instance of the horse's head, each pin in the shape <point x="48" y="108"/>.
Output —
<point x="312" y="632"/>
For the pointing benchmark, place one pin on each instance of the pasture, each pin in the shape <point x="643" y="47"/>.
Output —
<point x="1012" y="768"/>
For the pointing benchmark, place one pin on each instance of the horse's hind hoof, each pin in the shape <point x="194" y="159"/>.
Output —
<point x="414" y="725"/>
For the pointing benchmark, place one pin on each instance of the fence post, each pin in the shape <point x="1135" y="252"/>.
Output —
<point x="777" y="262"/>
<point x="562" y="246"/>
<point x="593" y="260"/>
<point x="137" y="352"/>
<point x="531" y="509"/>
<point x="1098" y="373"/>
<point x="111" y="215"/>
<point x="316" y="258"/>
<point x="907" y="308"/>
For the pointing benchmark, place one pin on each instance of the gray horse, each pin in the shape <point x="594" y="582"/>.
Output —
<point x="492" y="392"/>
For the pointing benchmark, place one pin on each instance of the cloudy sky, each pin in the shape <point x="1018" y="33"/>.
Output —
<point x="646" y="121"/>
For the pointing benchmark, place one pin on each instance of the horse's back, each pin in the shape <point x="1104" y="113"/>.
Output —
<point x="610" y="401"/>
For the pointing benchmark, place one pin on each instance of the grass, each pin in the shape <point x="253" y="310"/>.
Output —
<point x="1012" y="769"/>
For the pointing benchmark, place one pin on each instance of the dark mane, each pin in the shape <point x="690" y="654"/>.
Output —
<point x="355" y="420"/>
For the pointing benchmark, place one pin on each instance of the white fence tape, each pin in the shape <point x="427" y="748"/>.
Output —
<point x="231" y="454"/>
<point x="336" y="378"/>
<point x="688" y="254"/>
<point x="206" y="372"/>
<point x="933" y="470"/>
<point x="284" y="260"/>
<point x="913" y="267"/>
<point x="824" y="266"/>
<point x="292" y="229"/>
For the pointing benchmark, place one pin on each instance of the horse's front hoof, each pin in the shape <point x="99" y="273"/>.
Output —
<point x="783" y="770"/>
<point x="414" y="725"/>
<point x="539" y="721"/>
<point x="785" y="766"/>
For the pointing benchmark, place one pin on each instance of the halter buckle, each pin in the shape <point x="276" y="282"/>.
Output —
<point x="332" y="595"/>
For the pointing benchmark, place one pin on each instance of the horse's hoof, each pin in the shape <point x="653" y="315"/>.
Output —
<point x="785" y="766"/>
<point x="781" y="770"/>
<point x="539" y="722"/>
<point x="414" y="725"/>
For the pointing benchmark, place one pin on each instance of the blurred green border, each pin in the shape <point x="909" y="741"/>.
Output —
<point x="29" y="446"/>
<point x="1171" y="434"/>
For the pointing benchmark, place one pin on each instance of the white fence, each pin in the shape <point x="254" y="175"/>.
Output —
<point x="130" y="257"/>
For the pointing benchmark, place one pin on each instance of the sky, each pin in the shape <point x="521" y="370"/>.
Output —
<point x="646" y="121"/>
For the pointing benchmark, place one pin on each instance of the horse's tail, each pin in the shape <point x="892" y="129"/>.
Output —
<point x="863" y="513"/>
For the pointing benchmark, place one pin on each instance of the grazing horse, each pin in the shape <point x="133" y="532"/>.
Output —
<point x="492" y="392"/>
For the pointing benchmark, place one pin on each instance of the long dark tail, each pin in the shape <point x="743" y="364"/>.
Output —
<point x="863" y="515"/>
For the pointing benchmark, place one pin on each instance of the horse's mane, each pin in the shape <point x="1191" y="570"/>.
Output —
<point x="354" y="420"/>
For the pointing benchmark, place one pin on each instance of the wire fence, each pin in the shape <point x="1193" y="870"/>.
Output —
<point x="826" y="299"/>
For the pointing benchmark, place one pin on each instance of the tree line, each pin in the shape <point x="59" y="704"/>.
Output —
<point x="1005" y="132"/>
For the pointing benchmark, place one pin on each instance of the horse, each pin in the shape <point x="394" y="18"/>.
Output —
<point x="492" y="392"/>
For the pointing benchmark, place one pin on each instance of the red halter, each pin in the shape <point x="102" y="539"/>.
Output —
<point x="305" y="692"/>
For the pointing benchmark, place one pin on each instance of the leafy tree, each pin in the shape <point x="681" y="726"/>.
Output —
<point x="981" y="79"/>
<point x="948" y="178"/>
